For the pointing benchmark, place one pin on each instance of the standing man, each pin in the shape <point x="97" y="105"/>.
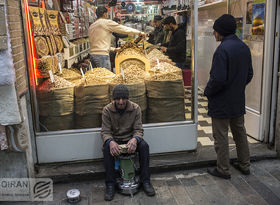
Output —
<point x="122" y="124"/>
<point x="231" y="71"/>
<point x="115" y="44"/>
<point x="176" y="47"/>
<point x="100" y="34"/>
<point x="158" y="33"/>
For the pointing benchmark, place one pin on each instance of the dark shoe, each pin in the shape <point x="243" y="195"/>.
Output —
<point x="149" y="189"/>
<point x="216" y="173"/>
<point x="243" y="171"/>
<point x="109" y="192"/>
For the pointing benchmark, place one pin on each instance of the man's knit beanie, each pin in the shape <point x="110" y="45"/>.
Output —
<point x="225" y="25"/>
<point x="120" y="91"/>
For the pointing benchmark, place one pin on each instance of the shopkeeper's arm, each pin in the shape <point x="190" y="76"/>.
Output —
<point x="118" y="28"/>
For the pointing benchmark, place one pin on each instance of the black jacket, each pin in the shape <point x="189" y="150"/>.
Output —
<point x="231" y="71"/>
<point x="157" y="36"/>
<point x="176" y="47"/>
<point x="118" y="36"/>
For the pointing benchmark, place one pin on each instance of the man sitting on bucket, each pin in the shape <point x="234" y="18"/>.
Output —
<point x="122" y="124"/>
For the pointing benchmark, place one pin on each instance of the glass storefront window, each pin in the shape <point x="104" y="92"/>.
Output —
<point x="69" y="94"/>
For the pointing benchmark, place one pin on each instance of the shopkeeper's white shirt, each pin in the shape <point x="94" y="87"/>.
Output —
<point x="100" y="34"/>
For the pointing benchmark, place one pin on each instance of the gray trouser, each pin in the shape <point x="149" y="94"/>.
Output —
<point x="220" y="134"/>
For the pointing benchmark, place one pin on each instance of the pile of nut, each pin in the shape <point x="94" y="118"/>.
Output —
<point x="125" y="64"/>
<point x="165" y="71"/>
<point x="70" y="74"/>
<point x="59" y="82"/>
<point x="98" y="76"/>
<point x="131" y="75"/>
<point x="156" y="55"/>
<point x="130" y="48"/>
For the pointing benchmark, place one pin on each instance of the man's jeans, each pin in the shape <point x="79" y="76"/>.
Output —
<point x="100" y="61"/>
<point x="109" y="163"/>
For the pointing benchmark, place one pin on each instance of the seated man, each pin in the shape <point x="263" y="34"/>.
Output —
<point x="121" y="124"/>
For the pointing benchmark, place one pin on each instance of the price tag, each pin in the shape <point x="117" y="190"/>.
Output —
<point x="66" y="28"/>
<point x="90" y="66"/>
<point x="157" y="62"/>
<point x="82" y="73"/>
<point x="51" y="76"/>
<point x="59" y="66"/>
<point x="145" y="53"/>
<point x="122" y="73"/>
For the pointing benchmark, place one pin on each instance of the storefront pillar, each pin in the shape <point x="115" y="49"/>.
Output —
<point x="17" y="157"/>
<point x="277" y="126"/>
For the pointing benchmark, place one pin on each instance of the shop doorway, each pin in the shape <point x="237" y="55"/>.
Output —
<point x="261" y="42"/>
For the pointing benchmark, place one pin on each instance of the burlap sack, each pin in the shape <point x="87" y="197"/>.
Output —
<point x="165" y="101"/>
<point x="89" y="103"/>
<point x="56" y="102"/>
<point x="56" y="108"/>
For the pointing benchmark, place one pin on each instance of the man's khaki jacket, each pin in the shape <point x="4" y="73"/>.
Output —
<point x="121" y="127"/>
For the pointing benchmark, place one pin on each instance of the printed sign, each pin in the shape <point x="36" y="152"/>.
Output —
<point x="258" y="19"/>
<point x="26" y="189"/>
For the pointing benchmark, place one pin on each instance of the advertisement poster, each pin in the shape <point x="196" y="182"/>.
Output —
<point x="249" y="12"/>
<point x="258" y="18"/>
<point x="239" y="27"/>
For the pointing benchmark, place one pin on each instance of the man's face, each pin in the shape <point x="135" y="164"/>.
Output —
<point x="168" y="27"/>
<point x="157" y="23"/>
<point x="105" y="15"/>
<point x="121" y="103"/>
<point x="217" y="36"/>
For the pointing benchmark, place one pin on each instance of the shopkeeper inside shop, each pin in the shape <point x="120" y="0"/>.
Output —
<point x="176" y="47"/>
<point x="100" y="34"/>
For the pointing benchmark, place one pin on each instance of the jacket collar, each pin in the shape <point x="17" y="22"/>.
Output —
<point x="129" y="107"/>
<point x="231" y="36"/>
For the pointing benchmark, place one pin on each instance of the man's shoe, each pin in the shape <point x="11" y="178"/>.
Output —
<point x="109" y="192"/>
<point x="243" y="171"/>
<point x="216" y="173"/>
<point x="149" y="189"/>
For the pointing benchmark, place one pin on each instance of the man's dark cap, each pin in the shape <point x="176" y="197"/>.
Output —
<point x="157" y="18"/>
<point x="225" y="25"/>
<point x="120" y="91"/>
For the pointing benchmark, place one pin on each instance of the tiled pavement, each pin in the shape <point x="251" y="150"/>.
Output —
<point x="186" y="187"/>
<point x="204" y="121"/>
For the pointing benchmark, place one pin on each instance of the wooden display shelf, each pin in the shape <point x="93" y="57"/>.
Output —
<point x="74" y="59"/>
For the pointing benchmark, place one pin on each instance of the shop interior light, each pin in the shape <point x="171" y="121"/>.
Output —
<point x="31" y="46"/>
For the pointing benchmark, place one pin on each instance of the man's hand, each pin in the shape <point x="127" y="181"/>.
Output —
<point x="114" y="148"/>
<point x="117" y="49"/>
<point x="131" y="145"/>
<point x="163" y="49"/>
<point x="143" y="35"/>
